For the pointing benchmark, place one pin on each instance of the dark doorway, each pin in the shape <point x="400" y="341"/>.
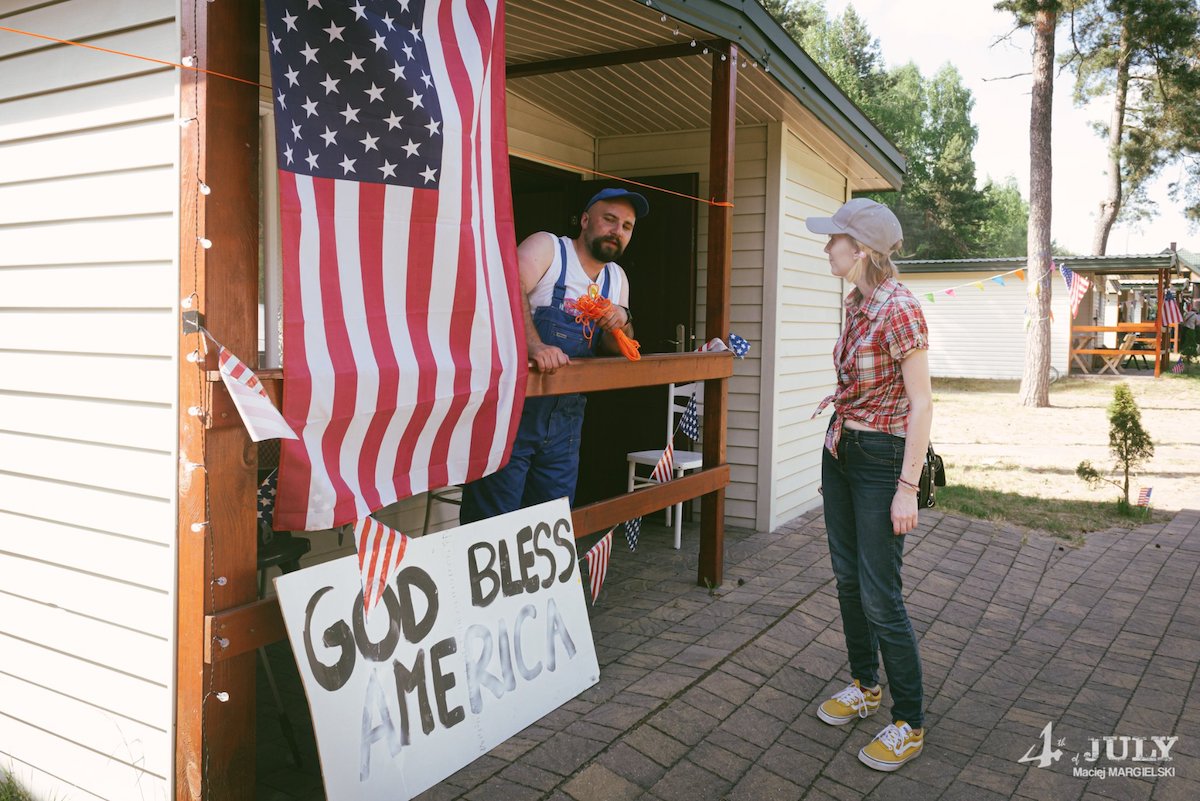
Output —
<point x="661" y="264"/>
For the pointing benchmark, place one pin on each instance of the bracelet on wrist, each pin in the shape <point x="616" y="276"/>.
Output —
<point x="900" y="482"/>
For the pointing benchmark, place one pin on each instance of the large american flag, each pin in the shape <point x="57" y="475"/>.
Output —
<point x="1078" y="285"/>
<point x="402" y="365"/>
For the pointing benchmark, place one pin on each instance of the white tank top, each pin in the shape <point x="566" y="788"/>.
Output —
<point x="577" y="280"/>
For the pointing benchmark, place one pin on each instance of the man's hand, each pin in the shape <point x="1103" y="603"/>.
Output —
<point x="613" y="319"/>
<point x="547" y="358"/>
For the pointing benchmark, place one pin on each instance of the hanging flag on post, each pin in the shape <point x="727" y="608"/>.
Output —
<point x="380" y="550"/>
<point x="1078" y="285"/>
<point x="633" y="530"/>
<point x="404" y="361"/>
<point x="1169" y="314"/>
<point x="262" y="419"/>
<point x="1143" y="498"/>
<point x="597" y="562"/>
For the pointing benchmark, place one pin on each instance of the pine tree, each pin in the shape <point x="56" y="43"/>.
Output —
<point x="1128" y="442"/>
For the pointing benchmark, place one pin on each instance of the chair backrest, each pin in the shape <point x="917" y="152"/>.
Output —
<point x="678" y="396"/>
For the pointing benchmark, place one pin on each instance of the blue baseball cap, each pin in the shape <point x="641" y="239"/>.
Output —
<point x="640" y="207"/>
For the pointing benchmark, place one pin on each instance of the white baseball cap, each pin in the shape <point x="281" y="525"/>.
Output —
<point x="869" y="222"/>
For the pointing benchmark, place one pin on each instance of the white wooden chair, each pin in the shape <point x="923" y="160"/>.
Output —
<point x="677" y="401"/>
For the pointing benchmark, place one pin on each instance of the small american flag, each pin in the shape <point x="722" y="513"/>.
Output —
<point x="665" y="468"/>
<point x="714" y="345"/>
<point x="689" y="424"/>
<point x="1178" y="368"/>
<point x="1078" y="284"/>
<point x="1169" y="314"/>
<point x="1143" y="498"/>
<point x="266" y="499"/>
<point x="597" y="562"/>
<point x="380" y="550"/>
<point x="262" y="419"/>
<point x="739" y="346"/>
<point x="633" y="529"/>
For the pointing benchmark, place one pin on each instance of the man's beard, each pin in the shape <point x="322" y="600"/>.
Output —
<point x="605" y="249"/>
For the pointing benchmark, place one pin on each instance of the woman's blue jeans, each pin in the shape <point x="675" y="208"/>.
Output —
<point x="858" y="488"/>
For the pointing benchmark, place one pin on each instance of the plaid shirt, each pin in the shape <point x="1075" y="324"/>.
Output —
<point x="878" y="334"/>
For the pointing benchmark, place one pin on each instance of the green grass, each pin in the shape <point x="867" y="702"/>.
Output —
<point x="10" y="790"/>
<point x="1065" y="519"/>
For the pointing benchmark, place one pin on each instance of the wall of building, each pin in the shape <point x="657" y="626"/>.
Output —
<point x="88" y="320"/>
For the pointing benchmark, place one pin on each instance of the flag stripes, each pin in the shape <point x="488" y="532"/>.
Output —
<point x="262" y="419"/>
<point x="597" y="562"/>
<point x="664" y="470"/>
<point x="380" y="551"/>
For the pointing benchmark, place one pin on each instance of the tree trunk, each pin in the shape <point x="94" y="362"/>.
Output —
<point x="1035" y="383"/>
<point x="1111" y="205"/>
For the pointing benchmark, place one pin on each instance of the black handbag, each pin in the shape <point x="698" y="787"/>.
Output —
<point x="933" y="475"/>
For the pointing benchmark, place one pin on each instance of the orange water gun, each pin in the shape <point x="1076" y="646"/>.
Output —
<point x="591" y="307"/>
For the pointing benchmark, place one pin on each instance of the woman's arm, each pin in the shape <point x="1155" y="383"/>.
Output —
<point x="915" y="369"/>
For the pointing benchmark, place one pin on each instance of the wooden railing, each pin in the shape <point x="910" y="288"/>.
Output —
<point x="242" y="629"/>
<point x="1084" y="342"/>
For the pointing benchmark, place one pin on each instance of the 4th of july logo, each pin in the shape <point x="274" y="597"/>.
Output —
<point x="1130" y="756"/>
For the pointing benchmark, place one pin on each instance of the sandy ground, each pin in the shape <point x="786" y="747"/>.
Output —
<point x="981" y="431"/>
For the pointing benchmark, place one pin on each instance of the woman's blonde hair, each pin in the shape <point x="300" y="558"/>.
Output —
<point x="875" y="267"/>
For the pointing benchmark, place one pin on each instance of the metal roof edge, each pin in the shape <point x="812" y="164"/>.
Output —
<point x="1108" y="264"/>
<point x="748" y="24"/>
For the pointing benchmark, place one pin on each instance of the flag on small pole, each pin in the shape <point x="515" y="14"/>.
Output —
<point x="380" y="551"/>
<point x="597" y="562"/>
<point x="739" y="346"/>
<point x="1143" y="498"/>
<point x="1078" y="285"/>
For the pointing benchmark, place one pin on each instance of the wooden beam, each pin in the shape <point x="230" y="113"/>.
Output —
<point x="572" y="63"/>
<point x="214" y="739"/>
<point x="584" y="375"/>
<point x="722" y="131"/>
<point x="1162" y="333"/>
<point x="236" y="632"/>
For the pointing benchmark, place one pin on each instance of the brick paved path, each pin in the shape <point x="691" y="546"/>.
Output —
<point x="712" y="695"/>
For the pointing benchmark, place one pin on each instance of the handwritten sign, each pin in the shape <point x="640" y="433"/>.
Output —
<point x="483" y="631"/>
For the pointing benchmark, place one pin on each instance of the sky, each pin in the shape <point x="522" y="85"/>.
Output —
<point x="966" y="33"/>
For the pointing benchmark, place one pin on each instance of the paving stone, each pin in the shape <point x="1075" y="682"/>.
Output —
<point x="598" y="783"/>
<point x="687" y="781"/>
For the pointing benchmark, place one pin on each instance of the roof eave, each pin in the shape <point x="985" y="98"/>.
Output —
<point x="748" y="24"/>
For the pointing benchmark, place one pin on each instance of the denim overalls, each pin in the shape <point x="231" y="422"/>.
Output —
<point x="545" y="456"/>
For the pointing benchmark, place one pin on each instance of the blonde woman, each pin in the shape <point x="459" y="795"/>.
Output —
<point x="871" y="464"/>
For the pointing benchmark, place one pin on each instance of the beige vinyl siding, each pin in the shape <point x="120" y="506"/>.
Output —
<point x="981" y="334"/>
<point x="88" y="309"/>
<point x="538" y="135"/>
<point x="808" y="310"/>
<point x="688" y="151"/>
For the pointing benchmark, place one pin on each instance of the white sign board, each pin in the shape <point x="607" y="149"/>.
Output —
<point x="483" y="631"/>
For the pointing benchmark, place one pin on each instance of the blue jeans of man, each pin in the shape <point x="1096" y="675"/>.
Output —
<point x="858" y="488"/>
<point x="544" y="464"/>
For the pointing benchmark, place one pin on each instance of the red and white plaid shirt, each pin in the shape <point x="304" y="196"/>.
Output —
<point x="878" y="334"/>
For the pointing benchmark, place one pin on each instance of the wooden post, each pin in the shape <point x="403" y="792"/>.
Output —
<point x="214" y="738"/>
<point x="716" y="324"/>
<point x="1161" y="335"/>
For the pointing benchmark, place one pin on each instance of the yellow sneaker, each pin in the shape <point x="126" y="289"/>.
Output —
<point x="852" y="702"/>
<point x="893" y="746"/>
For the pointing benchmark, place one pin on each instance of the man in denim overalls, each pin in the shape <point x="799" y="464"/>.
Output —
<point x="545" y="457"/>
